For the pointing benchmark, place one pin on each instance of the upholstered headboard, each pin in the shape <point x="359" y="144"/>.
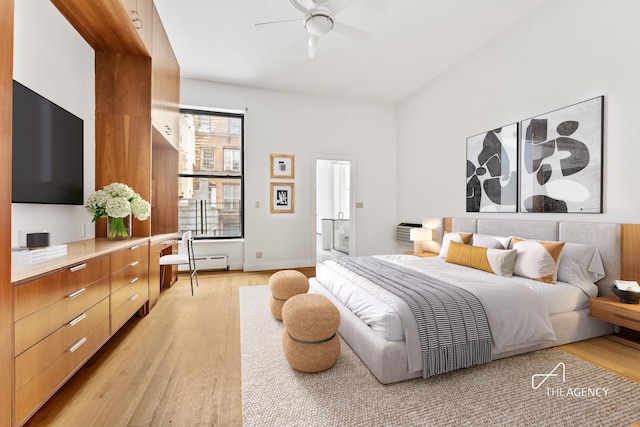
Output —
<point x="605" y="236"/>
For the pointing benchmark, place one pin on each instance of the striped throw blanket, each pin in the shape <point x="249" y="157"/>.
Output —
<point x="453" y="327"/>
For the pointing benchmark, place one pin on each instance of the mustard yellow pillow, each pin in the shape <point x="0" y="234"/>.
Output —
<point x="454" y="237"/>
<point x="537" y="260"/>
<point x="496" y="261"/>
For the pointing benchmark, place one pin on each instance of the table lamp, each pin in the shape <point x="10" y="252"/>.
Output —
<point x="418" y="236"/>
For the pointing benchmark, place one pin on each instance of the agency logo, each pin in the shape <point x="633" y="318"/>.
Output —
<point x="555" y="380"/>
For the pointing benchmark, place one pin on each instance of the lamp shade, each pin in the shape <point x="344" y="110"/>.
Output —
<point x="420" y="234"/>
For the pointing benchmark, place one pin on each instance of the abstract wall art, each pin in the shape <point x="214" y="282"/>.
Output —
<point x="561" y="160"/>
<point x="492" y="177"/>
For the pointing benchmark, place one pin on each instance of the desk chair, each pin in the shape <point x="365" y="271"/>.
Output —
<point x="181" y="259"/>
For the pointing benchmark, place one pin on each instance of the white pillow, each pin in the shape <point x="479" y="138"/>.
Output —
<point x="537" y="260"/>
<point x="464" y="238"/>
<point x="585" y="258"/>
<point x="491" y="242"/>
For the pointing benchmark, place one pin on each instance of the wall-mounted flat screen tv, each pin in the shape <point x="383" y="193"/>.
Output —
<point x="47" y="151"/>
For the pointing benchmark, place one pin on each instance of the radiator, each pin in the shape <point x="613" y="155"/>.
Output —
<point x="212" y="262"/>
<point x="403" y="230"/>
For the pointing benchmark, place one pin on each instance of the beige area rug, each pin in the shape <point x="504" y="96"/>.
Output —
<point x="498" y="393"/>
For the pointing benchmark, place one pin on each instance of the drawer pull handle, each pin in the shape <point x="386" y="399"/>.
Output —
<point x="134" y="280"/>
<point x="134" y="263"/>
<point x="134" y="247"/>
<point x="78" y="268"/>
<point x="77" y="319"/>
<point x="133" y="297"/>
<point x="77" y="293"/>
<point x="77" y="345"/>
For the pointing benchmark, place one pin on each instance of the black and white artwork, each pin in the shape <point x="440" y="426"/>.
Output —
<point x="561" y="164"/>
<point x="492" y="176"/>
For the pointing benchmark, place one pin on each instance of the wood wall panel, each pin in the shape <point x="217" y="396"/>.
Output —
<point x="6" y="309"/>
<point x="123" y="127"/>
<point x="164" y="197"/>
<point x="630" y="252"/>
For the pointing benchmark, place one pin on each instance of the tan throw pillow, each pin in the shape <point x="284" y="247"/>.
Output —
<point x="496" y="261"/>
<point x="537" y="260"/>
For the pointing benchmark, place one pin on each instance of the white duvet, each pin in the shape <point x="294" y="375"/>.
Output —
<point x="517" y="309"/>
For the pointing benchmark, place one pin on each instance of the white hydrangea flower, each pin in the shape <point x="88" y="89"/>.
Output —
<point x="118" y="207"/>
<point x="117" y="189"/>
<point x="140" y="208"/>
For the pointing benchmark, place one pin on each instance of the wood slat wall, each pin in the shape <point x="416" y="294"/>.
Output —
<point x="6" y="309"/>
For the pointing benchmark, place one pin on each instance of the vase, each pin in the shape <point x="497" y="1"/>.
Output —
<point x="118" y="228"/>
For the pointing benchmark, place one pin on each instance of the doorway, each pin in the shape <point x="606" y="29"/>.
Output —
<point x="334" y="219"/>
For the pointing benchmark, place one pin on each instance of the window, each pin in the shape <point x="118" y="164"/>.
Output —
<point x="210" y="202"/>
<point x="231" y="159"/>
<point x="208" y="158"/>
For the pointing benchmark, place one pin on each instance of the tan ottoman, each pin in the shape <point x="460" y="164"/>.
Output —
<point x="310" y="340"/>
<point x="284" y="284"/>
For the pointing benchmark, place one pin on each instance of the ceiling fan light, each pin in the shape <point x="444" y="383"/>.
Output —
<point x="318" y="24"/>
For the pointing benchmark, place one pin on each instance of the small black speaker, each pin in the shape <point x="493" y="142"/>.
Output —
<point x="37" y="240"/>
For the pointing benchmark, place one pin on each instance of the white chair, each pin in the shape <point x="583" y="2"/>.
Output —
<point x="182" y="259"/>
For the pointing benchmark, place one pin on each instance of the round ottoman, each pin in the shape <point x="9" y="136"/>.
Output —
<point x="310" y="340"/>
<point x="283" y="285"/>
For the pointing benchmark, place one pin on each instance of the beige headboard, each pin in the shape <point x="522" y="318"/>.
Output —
<point x="607" y="237"/>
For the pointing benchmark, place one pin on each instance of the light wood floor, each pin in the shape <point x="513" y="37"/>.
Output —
<point x="180" y="365"/>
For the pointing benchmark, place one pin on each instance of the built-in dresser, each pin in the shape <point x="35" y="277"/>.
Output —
<point x="66" y="308"/>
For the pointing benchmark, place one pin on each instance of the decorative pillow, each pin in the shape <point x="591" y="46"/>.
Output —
<point x="496" y="261"/>
<point x="464" y="238"/>
<point x="494" y="242"/>
<point x="537" y="260"/>
<point x="585" y="258"/>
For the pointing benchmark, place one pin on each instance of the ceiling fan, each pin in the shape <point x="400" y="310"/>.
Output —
<point x="319" y="19"/>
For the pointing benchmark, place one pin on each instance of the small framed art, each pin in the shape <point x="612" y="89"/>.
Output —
<point x="282" y="166"/>
<point x="282" y="197"/>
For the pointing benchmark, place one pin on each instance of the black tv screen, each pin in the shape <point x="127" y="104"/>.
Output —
<point x="48" y="148"/>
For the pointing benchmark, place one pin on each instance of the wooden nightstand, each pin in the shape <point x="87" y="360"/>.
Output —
<point x="610" y="309"/>
<point x="423" y="254"/>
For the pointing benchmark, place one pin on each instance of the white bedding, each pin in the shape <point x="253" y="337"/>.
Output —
<point x="517" y="309"/>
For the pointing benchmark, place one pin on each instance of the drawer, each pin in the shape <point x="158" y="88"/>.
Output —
<point x="31" y="296"/>
<point x="124" y="257"/>
<point x="39" y="357"/>
<point x="127" y="301"/>
<point x="44" y="383"/>
<point x="36" y="326"/>
<point x="129" y="274"/>
<point x="627" y="315"/>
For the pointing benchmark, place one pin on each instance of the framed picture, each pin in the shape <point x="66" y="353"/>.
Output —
<point x="282" y="166"/>
<point x="282" y="197"/>
<point x="561" y="160"/>
<point x="492" y="170"/>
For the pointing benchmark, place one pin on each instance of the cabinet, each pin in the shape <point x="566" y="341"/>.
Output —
<point x="141" y="14"/>
<point x="165" y="85"/>
<point x="129" y="283"/>
<point x="60" y="320"/>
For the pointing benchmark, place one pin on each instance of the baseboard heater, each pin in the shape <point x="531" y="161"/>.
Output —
<point x="212" y="262"/>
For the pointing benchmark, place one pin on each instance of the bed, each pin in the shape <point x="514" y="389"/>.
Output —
<point x="378" y="327"/>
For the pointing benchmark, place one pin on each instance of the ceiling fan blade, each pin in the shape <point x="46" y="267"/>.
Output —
<point x="351" y="32"/>
<point x="312" y="45"/>
<point x="297" y="5"/>
<point x="262" y="25"/>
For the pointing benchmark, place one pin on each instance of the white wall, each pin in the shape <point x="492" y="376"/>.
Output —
<point x="284" y="123"/>
<point x="566" y="52"/>
<point x="54" y="61"/>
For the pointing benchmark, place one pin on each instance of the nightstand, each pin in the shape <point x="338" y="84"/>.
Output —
<point x="610" y="309"/>
<point x="423" y="254"/>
